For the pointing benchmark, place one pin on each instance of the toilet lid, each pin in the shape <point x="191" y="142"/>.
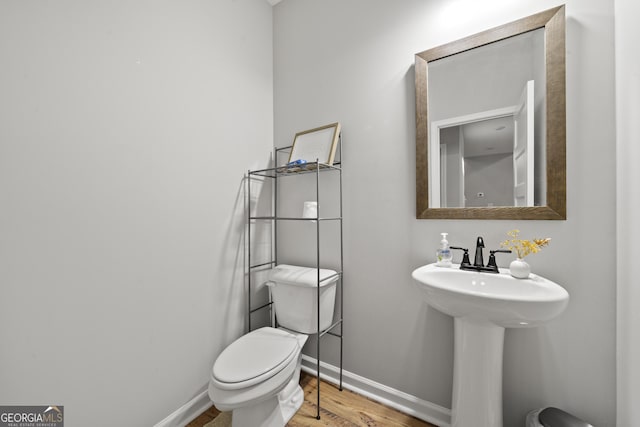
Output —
<point x="255" y="354"/>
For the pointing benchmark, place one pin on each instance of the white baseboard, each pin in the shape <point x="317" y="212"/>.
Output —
<point x="396" y="399"/>
<point x="187" y="412"/>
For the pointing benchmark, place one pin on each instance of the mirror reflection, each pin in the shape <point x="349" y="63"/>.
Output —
<point x="487" y="106"/>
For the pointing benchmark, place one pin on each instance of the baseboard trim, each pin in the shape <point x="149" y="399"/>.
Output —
<point x="187" y="412"/>
<point x="396" y="399"/>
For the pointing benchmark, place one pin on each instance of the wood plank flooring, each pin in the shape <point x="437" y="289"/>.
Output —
<point x="204" y="418"/>
<point x="337" y="409"/>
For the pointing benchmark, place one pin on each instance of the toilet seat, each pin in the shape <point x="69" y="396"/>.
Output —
<point x="254" y="358"/>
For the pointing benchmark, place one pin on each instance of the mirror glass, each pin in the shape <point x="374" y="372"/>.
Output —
<point x="490" y="123"/>
<point x="479" y="98"/>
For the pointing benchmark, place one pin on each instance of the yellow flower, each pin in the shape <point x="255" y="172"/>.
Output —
<point x="523" y="247"/>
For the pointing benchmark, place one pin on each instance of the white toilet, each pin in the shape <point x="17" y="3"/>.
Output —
<point x="257" y="376"/>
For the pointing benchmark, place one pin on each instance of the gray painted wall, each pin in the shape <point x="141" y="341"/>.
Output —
<point x="352" y="61"/>
<point x="492" y="176"/>
<point x="125" y="132"/>
<point x="628" y="209"/>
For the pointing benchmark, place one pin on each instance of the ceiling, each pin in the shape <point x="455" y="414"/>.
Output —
<point x="488" y="137"/>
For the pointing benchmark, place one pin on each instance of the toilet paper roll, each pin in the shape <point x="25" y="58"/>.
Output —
<point x="310" y="210"/>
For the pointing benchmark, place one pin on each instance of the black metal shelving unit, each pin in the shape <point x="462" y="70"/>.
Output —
<point x="283" y="172"/>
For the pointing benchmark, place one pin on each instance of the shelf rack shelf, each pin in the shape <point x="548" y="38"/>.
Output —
<point x="280" y="172"/>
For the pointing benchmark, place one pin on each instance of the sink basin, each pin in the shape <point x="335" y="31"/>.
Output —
<point x="498" y="298"/>
<point x="483" y="305"/>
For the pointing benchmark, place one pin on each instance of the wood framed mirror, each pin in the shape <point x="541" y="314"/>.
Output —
<point x="509" y="80"/>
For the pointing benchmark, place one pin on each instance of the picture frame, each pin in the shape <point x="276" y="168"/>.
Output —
<point x="318" y="144"/>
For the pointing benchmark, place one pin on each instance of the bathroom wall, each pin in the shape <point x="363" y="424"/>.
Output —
<point x="491" y="175"/>
<point x="628" y="209"/>
<point x="125" y="132"/>
<point x="353" y="62"/>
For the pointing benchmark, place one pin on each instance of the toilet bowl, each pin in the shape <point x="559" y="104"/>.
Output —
<point x="257" y="376"/>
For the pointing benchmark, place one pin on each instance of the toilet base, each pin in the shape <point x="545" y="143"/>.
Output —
<point x="273" y="412"/>
<point x="290" y="400"/>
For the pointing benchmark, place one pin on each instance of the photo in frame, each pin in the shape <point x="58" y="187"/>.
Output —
<point x="318" y="144"/>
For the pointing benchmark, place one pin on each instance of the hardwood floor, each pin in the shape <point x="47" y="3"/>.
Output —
<point x="204" y="418"/>
<point x="337" y="409"/>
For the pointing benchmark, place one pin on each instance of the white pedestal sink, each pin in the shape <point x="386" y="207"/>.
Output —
<point x="483" y="305"/>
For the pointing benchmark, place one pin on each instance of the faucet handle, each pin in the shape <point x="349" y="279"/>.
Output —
<point x="465" y="256"/>
<point x="492" y="258"/>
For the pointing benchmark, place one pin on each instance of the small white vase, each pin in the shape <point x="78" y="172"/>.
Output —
<point x="519" y="269"/>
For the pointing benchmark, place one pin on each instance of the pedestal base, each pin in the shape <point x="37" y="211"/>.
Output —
<point x="477" y="374"/>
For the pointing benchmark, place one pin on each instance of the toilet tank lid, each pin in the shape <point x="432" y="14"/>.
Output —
<point x="255" y="354"/>
<point x="302" y="276"/>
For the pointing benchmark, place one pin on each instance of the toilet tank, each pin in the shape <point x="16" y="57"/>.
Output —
<point x="294" y="291"/>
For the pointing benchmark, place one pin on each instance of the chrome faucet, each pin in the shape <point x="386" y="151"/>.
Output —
<point x="478" y="262"/>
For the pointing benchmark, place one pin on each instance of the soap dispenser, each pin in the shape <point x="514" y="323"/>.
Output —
<point x="443" y="254"/>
